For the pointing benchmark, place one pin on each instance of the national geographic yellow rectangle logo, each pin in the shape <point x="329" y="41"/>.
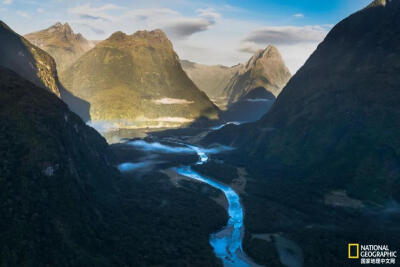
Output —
<point x="353" y="255"/>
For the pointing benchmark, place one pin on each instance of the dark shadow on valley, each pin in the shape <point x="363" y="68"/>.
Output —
<point x="249" y="108"/>
<point x="75" y="104"/>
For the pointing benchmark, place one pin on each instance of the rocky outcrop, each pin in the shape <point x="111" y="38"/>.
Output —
<point x="29" y="61"/>
<point x="61" y="43"/>
<point x="265" y="69"/>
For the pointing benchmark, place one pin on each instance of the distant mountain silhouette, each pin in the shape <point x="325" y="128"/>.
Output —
<point x="211" y="79"/>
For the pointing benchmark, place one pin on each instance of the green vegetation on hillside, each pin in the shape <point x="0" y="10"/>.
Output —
<point x="124" y="76"/>
<point x="29" y="61"/>
<point x="64" y="204"/>
<point x="324" y="163"/>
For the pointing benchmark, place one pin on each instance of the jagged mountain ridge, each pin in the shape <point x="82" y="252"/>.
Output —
<point x="227" y="85"/>
<point x="264" y="69"/>
<point x="137" y="79"/>
<point x="61" y="43"/>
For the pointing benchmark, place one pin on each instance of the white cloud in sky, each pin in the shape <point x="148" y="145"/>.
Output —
<point x="298" y="15"/>
<point x="94" y="13"/>
<point x="207" y="34"/>
<point x="23" y="14"/>
<point x="287" y="35"/>
<point x="7" y="2"/>
<point x="295" y="43"/>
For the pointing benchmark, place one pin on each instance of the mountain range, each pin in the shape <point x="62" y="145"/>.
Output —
<point x="326" y="158"/>
<point x="137" y="80"/>
<point x="227" y="85"/>
<point x="334" y="126"/>
<point x="320" y="170"/>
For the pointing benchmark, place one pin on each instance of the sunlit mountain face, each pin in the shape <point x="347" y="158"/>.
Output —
<point x="186" y="133"/>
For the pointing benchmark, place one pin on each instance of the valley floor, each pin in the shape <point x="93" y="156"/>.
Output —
<point x="286" y="223"/>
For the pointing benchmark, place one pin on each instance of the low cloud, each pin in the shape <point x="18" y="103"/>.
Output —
<point x="163" y="148"/>
<point x="172" y="22"/>
<point x="287" y="35"/>
<point x="172" y="101"/>
<point x="249" y="47"/>
<point x="186" y="27"/>
<point x="150" y="13"/>
<point x="295" y="43"/>
<point x="143" y="166"/>
<point x="209" y="13"/>
<point x="94" y="13"/>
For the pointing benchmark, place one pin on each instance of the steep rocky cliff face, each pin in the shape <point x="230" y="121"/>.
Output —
<point x="338" y="118"/>
<point x="326" y="158"/>
<point x="61" y="43"/>
<point x="31" y="62"/>
<point x="37" y="66"/>
<point x="137" y="80"/>
<point x="336" y="122"/>
<point x="265" y="69"/>
<point x="63" y="203"/>
<point x="227" y="85"/>
<point x="57" y="181"/>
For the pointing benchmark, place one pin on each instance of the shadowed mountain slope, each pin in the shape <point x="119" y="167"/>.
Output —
<point x="251" y="107"/>
<point x="337" y="121"/>
<point x="57" y="180"/>
<point x="35" y="65"/>
<point x="65" y="204"/>
<point x="325" y="159"/>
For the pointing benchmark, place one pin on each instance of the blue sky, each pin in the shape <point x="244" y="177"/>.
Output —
<point x="211" y="32"/>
